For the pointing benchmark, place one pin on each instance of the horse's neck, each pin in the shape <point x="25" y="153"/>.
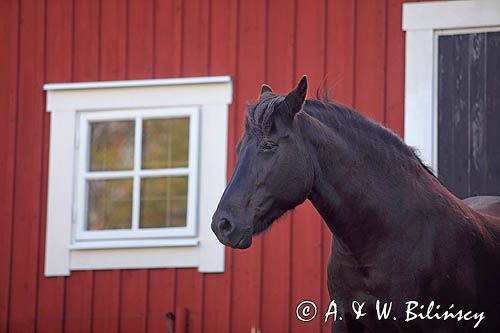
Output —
<point x="362" y="196"/>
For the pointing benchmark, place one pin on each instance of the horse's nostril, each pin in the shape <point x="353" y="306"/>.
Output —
<point x="225" y="227"/>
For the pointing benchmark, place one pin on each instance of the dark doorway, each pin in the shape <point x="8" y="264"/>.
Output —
<point x="469" y="113"/>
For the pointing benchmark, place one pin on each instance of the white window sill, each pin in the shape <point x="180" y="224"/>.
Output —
<point x="133" y="244"/>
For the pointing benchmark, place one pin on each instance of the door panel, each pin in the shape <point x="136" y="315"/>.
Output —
<point x="469" y="113"/>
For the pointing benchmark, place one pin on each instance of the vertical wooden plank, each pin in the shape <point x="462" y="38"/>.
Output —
<point x="217" y="287"/>
<point x="78" y="302"/>
<point x="167" y="63"/>
<point x="195" y="59"/>
<point x="247" y="269"/>
<point x="113" y="48"/>
<point x="59" y="41"/>
<point x="310" y="44"/>
<point x="307" y="228"/>
<point x="223" y="20"/>
<point x="478" y="144"/>
<point x="339" y="62"/>
<point x="453" y="113"/>
<point x="246" y="298"/>
<point x="79" y="286"/>
<point x="106" y="301"/>
<point x="370" y="58"/>
<point x="340" y="46"/>
<point x="50" y="306"/>
<point x="395" y="67"/>
<point x="133" y="300"/>
<point x="9" y="35"/>
<point x="140" y="39"/>
<point x="307" y="265"/>
<point x="325" y="295"/>
<point x="223" y="59"/>
<point x="195" y="56"/>
<point x="161" y="298"/>
<point x="189" y="295"/>
<point x="493" y="113"/>
<point x="23" y="287"/>
<point x="112" y="61"/>
<point x="167" y="38"/>
<point x="134" y="283"/>
<point x="276" y="247"/>
<point x="50" y="312"/>
<point x="86" y="40"/>
<point x="250" y="56"/>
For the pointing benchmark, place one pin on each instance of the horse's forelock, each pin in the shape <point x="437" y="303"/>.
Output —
<point x="259" y="115"/>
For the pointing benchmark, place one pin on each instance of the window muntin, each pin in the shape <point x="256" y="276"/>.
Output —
<point x="137" y="174"/>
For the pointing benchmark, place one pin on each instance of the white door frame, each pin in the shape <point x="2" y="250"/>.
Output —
<point x="423" y="22"/>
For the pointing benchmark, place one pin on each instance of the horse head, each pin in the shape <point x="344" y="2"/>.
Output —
<point x="272" y="173"/>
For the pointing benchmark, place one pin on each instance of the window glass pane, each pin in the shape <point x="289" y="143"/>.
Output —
<point x="111" y="145"/>
<point x="163" y="202"/>
<point x="109" y="204"/>
<point x="165" y="143"/>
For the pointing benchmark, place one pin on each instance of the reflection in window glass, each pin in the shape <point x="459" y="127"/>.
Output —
<point x="163" y="202"/>
<point x="165" y="143"/>
<point x="111" y="145"/>
<point x="162" y="199"/>
<point x="109" y="204"/>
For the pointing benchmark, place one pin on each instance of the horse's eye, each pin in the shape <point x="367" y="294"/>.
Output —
<point x="268" y="145"/>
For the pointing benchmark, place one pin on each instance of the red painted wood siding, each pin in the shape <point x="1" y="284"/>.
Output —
<point x="357" y="46"/>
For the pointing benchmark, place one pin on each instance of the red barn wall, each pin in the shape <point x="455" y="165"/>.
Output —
<point x="357" y="45"/>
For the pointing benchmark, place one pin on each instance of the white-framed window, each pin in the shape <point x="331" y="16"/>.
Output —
<point x="137" y="174"/>
<point x="136" y="170"/>
<point x="424" y="23"/>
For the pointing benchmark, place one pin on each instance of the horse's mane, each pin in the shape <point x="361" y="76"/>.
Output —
<point x="333" y="115"/>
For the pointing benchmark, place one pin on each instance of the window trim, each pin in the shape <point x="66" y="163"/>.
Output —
<point x="211" y="96"/>
<point x="423" y="22"/>
<point x="138" y="115"/>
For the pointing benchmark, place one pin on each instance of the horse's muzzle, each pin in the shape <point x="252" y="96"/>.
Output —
<point x="231" y="234"/>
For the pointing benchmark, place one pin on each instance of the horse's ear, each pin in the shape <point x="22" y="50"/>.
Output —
<point x="265" y="89"/>
<point x="295" y="99"/>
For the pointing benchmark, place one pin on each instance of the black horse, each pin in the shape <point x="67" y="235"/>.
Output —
<point x="398" y="234"/>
